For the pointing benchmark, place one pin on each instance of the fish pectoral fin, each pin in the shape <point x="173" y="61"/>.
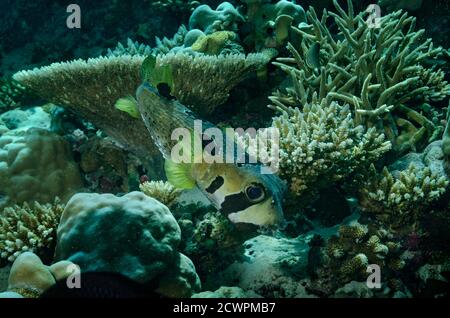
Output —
<point x="179" y="174"/>
<point x="128" y="105"/>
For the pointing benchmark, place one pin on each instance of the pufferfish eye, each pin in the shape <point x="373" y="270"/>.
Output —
<point x="255" y="192"/>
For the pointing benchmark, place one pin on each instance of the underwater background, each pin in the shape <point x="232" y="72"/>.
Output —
<point x="358" y="208"/>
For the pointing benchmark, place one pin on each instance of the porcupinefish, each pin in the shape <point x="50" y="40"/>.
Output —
<point x="240" y="191"/>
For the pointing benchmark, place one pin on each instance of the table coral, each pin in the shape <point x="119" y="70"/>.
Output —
<point x="29" y="227"/>
<point x="36" y="165"/>
<point x="204" y="82"/>
<point x="379" y="71"/>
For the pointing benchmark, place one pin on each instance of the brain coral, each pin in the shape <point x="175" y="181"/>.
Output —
<point x="36" y="165"/>
<point x="133" y="235"/>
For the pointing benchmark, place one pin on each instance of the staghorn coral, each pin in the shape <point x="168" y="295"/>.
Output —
<point x="203" y="82"/>
<point x="323" y="144"/>
<point x="399" y="201"/>
<point x="376" y="70"/>
<point x="28" y="227"/>
<point x="162" y="191"/>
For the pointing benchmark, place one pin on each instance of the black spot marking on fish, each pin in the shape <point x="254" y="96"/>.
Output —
<point x="215" y="185"/>
<point x="164" y="91"/>
<point x="234" y="203"/>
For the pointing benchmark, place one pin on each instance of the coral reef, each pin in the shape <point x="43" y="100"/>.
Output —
<point x="36" y="165"/>
<point x="380" y="72"/>
<point x="322" y="144"/>
<point x="29" y="227"/>
<point x="162" y="191"/>
<point x="91" y="229"/>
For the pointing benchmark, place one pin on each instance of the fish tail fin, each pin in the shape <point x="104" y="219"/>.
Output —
<point x="179" y="174"/>
<point x="129" y="105"/>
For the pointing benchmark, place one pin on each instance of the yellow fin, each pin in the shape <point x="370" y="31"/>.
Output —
<point x="128" y="105"/>
<point x="179" y="174"/>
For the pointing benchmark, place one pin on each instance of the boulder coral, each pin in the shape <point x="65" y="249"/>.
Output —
<point x="133" y="235"/>
<point x="36" y="165"/>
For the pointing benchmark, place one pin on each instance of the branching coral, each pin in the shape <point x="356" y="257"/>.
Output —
<point x="376" y="70"/>
<point x="29" y="227"/>
<point x="11" y="93"/>
<point x="162" y="191"/>
<point x="132" y="48"/>
<point x="323" y="144"/>
<point x="356" y="246"/>
<point x="399" y="202"/>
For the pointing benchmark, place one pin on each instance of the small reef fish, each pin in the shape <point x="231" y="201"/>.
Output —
<point x="239" y="191"/>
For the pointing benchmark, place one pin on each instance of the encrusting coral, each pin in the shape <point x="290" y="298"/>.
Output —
<point x="162" y="191"/>
<point x="378" y="71"/>
<point x="28" y="227"/>
<point x="322" y="144"/>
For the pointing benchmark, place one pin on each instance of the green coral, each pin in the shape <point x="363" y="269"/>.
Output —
<point x="322" y="144"/>
<point x="380" y="72"/>
<point x="398" y="202"/>
<point x="29" y="227"/>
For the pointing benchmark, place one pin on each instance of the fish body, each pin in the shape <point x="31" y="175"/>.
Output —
<point x="239" y="191"/>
